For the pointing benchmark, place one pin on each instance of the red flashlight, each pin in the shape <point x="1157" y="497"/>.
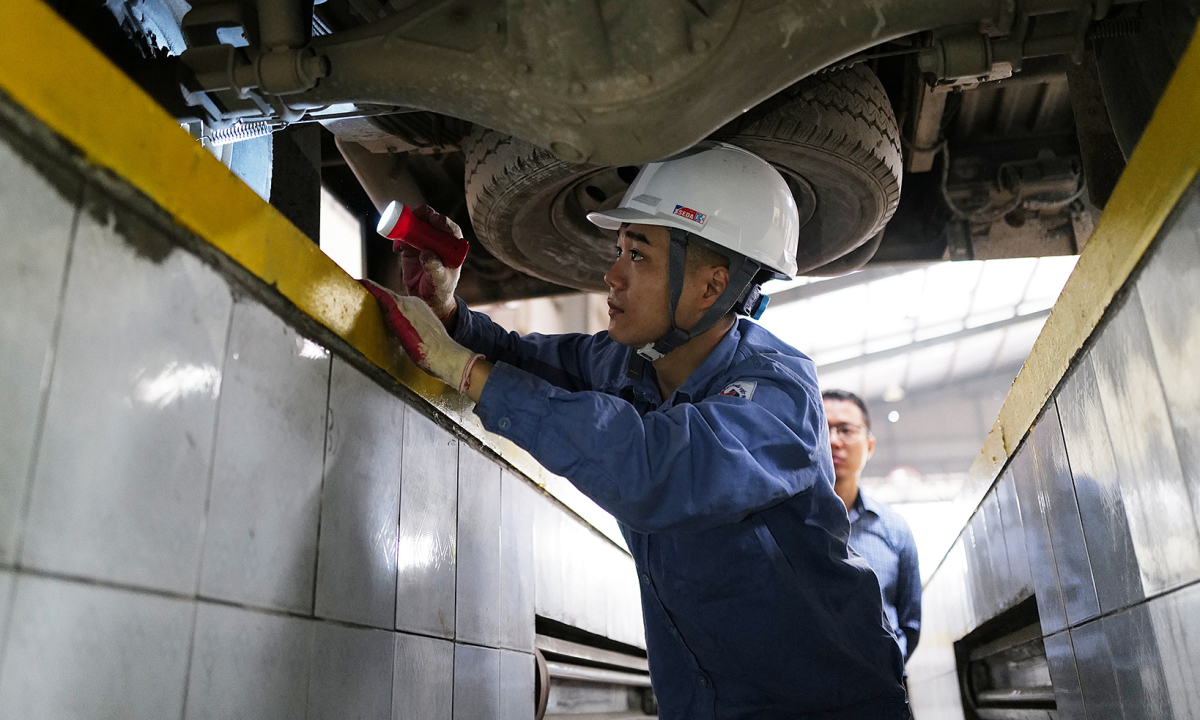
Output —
<point x="400" y="225"/>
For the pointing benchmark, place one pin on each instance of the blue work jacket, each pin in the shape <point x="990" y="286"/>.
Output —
<point x="753" y="605"/>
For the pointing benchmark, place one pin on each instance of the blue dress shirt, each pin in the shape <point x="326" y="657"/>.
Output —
<point x="881" y="536"/>
<point x="752" y="603"/>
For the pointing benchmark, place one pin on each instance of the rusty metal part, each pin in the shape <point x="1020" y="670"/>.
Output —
<point x="607" y="83"/>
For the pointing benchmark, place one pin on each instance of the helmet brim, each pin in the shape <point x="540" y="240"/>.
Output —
<point x="613" y="219"/>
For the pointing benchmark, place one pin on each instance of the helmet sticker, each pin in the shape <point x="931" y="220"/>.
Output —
<point x="690" y="214"/>
<point x="743" y="389"/>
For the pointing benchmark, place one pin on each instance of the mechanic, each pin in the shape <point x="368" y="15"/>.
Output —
<point x="704" y="436"/>
<point x="877" y="533"/>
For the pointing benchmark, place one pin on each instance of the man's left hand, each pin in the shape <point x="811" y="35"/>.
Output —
<point x="424" y="338"/>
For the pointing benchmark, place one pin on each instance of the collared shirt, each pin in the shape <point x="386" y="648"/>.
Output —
<point x="753" y="605"/>
<point x="881" y="536"/>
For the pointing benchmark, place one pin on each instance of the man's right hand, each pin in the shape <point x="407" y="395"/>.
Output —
<point x="425" y="275"/>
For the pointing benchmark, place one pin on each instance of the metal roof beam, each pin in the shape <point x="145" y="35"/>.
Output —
<point x="804" y="292"/>
<point x="931" y="342"/>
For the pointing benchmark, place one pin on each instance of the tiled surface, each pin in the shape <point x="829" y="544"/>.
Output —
<point x="37" y="218"/>
<point x="1156" y="499"/>
<point x="1137" y="664"/>
<point x="960" y="617"/>
<point x="547" y="559"/>
<point x="1068" y="698"/>
<point x="574" y="574"/>
<point x="351" y="677"/>
<point x="360" y="506"/>
<point x="1037" y="540"/>
<point x="1014" y="537"/>
<point x="261" y="543"/>
<point x="624" y="610"/>
<point x="1001" y="578"/>
<point x="8" y="583"/>
<point x="426" y="555"/>
<point x="516" y="685"/>
<point x="1176" y="622"/>
<point x="979" y="566"/>
<point x="248" y="664"/>
<point x="191" y="446"/>
<point x="476" y="683"/>
<point x="478" y="605"/>
<point x="597" y="585"/>
<point x="1169" y="289"/>
<point x="122" y="474"/>
<point x="423" y="686"/>
<point x="517" y="502"/>
<point x="1093" y="661"/>
<point x="79" y="651"/>
<point x="1062" y="518"/>
<point x="1098" y="490"/>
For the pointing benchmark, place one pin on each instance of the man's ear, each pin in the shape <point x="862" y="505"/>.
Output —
<point x="718" y="280"/>
<point x="870" y="445"/>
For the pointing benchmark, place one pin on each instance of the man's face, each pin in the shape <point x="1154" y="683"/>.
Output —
<point x="639" y="295"/>
<point x="849" y="440"/>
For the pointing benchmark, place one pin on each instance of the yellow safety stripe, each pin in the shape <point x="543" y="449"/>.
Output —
<point x="59" y="77"/>
<point x="1162" y="167"/>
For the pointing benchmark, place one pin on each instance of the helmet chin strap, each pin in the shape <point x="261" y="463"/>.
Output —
<point x="742" y="272"/>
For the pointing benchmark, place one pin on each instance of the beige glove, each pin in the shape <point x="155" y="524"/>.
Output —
<point x="425" y="276"/>
<point x="424" y="338"/>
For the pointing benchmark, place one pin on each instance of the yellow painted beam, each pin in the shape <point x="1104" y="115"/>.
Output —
<point x="59" y="77"/>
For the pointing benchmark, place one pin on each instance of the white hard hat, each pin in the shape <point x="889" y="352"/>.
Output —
<point x="722" y="193"/>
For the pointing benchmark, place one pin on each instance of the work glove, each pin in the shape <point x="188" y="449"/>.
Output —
<point x="425" y="275"/>
<point x="424" y="338"/>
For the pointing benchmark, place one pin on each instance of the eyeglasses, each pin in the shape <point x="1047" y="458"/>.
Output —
<point x="846" y="430"/>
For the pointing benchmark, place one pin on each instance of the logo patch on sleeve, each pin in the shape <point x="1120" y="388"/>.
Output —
<point x="743" y="389"/>
<point x="689" y="214"/>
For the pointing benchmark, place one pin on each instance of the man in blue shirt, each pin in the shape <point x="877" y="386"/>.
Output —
<point x="704" y="436"/>
<point x="877" y="533"/>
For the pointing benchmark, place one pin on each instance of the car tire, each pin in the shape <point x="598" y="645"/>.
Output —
<point x="833" y="136"/>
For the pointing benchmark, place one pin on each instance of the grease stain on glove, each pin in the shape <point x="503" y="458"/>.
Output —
<point x="424" y="338"/>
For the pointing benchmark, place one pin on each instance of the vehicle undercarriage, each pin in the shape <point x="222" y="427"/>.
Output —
<point x="908" y="130"/>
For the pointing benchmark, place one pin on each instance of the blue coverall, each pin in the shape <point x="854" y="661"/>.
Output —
<point x="753" y="605"/>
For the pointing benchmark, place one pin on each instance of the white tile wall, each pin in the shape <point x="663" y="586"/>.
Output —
<point x="517" y="499"/>
<point x="423" y="686"/>
<point x="351" y="677"/>
<point x="547" y="559"/>
<point x="122" y="474"/>
<point x="426" y="556"/>
<point x="476" y="683"/>
<point x="37" y="219"/>
<point x="248" y="664"/>
<point x="261" y="543"/>
<point x="597" y="584"/>
<point x="360" y="507"/>
<point x="189" y="446"/>
<point x="84" y="651"/>
<point x="478" y="605"/>
<point x="574" y="573"/>
<point x="8" y="584"/>
<point x="516" y="685"/>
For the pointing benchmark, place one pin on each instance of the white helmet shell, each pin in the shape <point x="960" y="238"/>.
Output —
<point x="724" y="194"/>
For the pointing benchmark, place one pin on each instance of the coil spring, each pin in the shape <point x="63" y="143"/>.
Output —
<point x="1115" y="28"/>
<point x="240" y="131"/>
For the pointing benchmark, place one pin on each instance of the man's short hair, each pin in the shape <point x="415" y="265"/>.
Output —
<point x="700" y="256"/>
<point x="849" y="397"/>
